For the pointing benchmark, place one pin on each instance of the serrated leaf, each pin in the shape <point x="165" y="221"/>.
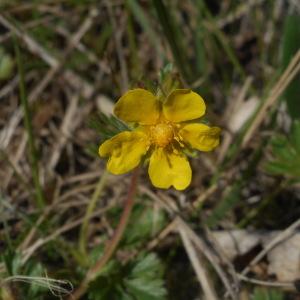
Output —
<point x="146" y="281"/>
<point x="144" y="289"/>
<point x="141" y="279"/>
<point x="145" y="222"/>
<point x="286" y="152"/>
<point x="148" y="266"/>
<point x="124" y="295"/>
<point x="109" y="267"/>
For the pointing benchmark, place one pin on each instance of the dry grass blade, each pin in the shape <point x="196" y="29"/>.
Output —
<point x="278" y="239"/>
<point x="57" y="287"/>
<point x="289" y="74"/>
<point x="84" y="89"/>
<point x="288" y="285"/>
<point x="67" y="127"/>
<point x="74" y="40"/>
<point x="29" y="41"/>
<point x="198" y="266"/>
<point x="211" y="257"/>
<point x="28" y="252"/>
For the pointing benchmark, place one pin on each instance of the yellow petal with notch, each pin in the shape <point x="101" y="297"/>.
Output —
<point x="138" y="106"/>
<point x="124" y="151"/>
<point x="183" y="105"/>
<point x="168" y="169"/>
<point x="200" y="136"/>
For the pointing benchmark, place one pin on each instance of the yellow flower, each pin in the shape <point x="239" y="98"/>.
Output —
<point x="162" y="132"/>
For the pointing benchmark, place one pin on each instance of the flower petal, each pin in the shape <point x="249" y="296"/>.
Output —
<point x="183" y="105"/>
<point x="167" y="168"/>
<point x="124" y="150"/>
<point x="200" y="136"/>
<point x="139" y="106"/>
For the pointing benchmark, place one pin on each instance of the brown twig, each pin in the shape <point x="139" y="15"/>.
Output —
<point x="112" y="245"/>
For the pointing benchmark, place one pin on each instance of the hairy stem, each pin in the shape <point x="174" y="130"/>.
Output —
<point x="113" y="243"/>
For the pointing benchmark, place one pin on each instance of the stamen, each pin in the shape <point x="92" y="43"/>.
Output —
<point x="162" y="134"/>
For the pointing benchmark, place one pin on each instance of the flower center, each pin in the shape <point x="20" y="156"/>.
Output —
<point x="161" y="134"/>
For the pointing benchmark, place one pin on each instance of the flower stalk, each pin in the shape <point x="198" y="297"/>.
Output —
<point x="113" y="243"/>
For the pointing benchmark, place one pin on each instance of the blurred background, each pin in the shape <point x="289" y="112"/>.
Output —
<point x="233" y="234"/>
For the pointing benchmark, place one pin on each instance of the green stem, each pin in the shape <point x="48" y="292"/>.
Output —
<point x="91" y="207"/>
<point x="112" y="244"/>
<point x="39" y="196"/>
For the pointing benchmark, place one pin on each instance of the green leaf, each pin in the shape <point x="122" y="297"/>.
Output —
<point x="32" y="268"/>
<point x="290" y="45"/>
<point x="147" y="266"/>
<point x="145" y="222"/>
<point x="141" y="279"/>
<point x="144" y="289"/>
<point x="105" y="288"/>
<point x="146" y="279"/>
<point x="267" y="294"/>
<point x="109" y="268"/>
<point x="286" y="154"/>
<point x="6" y="65"/>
